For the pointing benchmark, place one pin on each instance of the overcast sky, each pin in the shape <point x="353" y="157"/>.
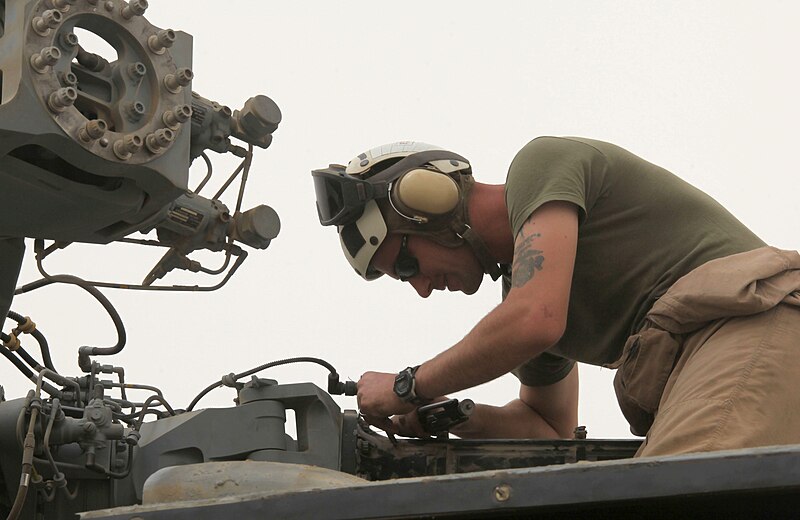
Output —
<point x="705" y="89"/>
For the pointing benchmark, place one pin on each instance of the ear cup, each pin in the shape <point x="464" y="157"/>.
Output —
<point x="424" y="193"/>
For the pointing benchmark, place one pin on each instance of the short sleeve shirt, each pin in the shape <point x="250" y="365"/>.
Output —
<point x="640" y="229"/>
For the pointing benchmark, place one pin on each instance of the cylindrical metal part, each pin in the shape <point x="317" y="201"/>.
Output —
<point x="134" y="110"/>
<point x="159" y="140"/>
<point x="92" y="130"/>
<point x="62" y="98"/>
<point x="181" y="78"/>
<point x="257" y="226"/>
<point x="68" y="78"/>
<point x="137" y="71"/>
<point x="69" y="40"/>
<point x="134" y="8"/>
<point x="160" y="41"/>
<point x="61" y="5"/>
<point x="49" y="20"/>
<point x="127" y="146"/>
<point x="46" y="57"/>
<point x="180" y="114"/>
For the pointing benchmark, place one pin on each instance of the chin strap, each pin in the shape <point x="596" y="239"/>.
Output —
<point x="481" y="252"/>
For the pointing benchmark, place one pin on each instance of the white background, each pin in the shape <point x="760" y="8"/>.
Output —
<point x="707" y="89"/>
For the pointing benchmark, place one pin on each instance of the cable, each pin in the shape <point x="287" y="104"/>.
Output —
<point x="208" y="173"/>
<point x="229" y="380"/>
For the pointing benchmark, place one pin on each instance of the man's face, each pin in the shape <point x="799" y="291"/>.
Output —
<point x="440" y="268"/>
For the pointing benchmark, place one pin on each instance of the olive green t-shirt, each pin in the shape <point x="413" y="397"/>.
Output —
<point x="640" y="229"/>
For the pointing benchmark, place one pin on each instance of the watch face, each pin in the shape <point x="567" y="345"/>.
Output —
<point x="402" y="385"/>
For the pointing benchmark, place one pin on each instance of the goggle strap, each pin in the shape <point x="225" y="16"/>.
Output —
<point x="481" y="252"/>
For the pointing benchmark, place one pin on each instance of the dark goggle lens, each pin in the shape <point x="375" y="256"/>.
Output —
<point x="406" y="266"/>
<point x="330" y="199"/>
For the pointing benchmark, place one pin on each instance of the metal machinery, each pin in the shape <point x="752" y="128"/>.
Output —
<point x="93" y="151"/>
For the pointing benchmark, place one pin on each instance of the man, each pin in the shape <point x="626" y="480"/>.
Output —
<point x="606" y="259"/>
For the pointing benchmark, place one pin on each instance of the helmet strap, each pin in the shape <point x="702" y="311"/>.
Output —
<point x="480" y="250"/>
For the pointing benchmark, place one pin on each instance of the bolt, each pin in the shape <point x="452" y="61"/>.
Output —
<point x="49" y="20"/>
<point x="127" y="146"/>
<point x="109" y="5"/>
<point x="68" y="78"/>
<point x="61" y="5"/>
<point x="160" y="41"/>
<point x="159" y="140"/>
<point x="69" y="40"/>
<point x="502" y="492"/>
<point x="180" y="114"/>
<point x="92" y="130"/>
<point x="181" y="78"/>
<point x="134" y="8"/>
<point x="89" y="427"/>
<point x="137" y="71"/>
<point x="134" y="110"/>
<point x="62" y="98"/>
<point x="46" y="57"/>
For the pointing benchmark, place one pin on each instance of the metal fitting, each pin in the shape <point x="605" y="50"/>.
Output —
<point x="137" y="71"/>
<point x="181" y="78"/>
<point x="127" y="146"/>
<point x="502" y="492"/>
<point x="159" y="140"/>
<point x="178" y="115"/>
<point x="69" y="40"/>
<point x="161" y="41"/>
<point x="45" y="59"/>
<point x="61" y="5"/>
<point x="134" y="111"/>
<point x="134" y="8"/>
<point x="62" y="98"/>
<point x="49" y="20"/>
<point x="92" y="130"/>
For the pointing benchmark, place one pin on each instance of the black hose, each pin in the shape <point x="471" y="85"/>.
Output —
<point x="271" y="364"/>
<point x="17" y="362"/>
<point x="40" y="339"/>
<point x="85" y="352"/>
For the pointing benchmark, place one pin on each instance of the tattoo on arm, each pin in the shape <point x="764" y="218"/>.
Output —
<point x="527" y="260"/>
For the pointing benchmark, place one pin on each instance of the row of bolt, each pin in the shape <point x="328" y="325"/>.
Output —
<point x="49" y="56"/>
<point x="52" y="17"/>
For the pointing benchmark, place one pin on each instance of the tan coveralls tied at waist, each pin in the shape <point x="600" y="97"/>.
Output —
<point x="717" y="363"/>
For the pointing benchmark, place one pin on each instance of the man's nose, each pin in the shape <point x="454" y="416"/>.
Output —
<point x="422" y="285"/>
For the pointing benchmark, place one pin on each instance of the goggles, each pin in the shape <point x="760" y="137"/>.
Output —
<point x="341" y="197"/>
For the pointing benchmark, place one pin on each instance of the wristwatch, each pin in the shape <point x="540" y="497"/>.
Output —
<point x="405" y="387"/>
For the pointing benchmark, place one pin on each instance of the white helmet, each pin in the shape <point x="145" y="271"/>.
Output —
<point x="405" y="187"/>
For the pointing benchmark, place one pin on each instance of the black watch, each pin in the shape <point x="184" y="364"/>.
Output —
<point x="405" y="387"/>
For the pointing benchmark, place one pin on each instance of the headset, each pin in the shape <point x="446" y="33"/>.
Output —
<point x="421" y="187"/>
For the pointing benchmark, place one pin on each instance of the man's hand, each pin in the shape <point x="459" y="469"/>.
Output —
<point x="377" y="400"/>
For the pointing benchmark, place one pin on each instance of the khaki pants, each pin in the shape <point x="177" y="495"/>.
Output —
<point x="717" y="365"/>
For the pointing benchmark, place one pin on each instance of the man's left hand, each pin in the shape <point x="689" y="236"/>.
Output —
<point x="377" y="400"/>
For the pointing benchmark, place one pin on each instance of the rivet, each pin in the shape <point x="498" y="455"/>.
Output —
<point x="502" y="492"/>
<point x="109" y="5"/>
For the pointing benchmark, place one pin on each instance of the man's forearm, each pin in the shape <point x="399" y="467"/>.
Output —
<point x="516" y="420"/>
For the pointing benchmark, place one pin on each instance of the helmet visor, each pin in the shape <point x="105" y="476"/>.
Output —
<point x="341" y="197"/>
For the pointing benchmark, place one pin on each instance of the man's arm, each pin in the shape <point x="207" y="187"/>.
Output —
<point x="540" y="412"/>
<point x="530" y="320"/>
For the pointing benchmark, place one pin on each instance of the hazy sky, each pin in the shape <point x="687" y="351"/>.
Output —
<point x="705" y="89"/>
